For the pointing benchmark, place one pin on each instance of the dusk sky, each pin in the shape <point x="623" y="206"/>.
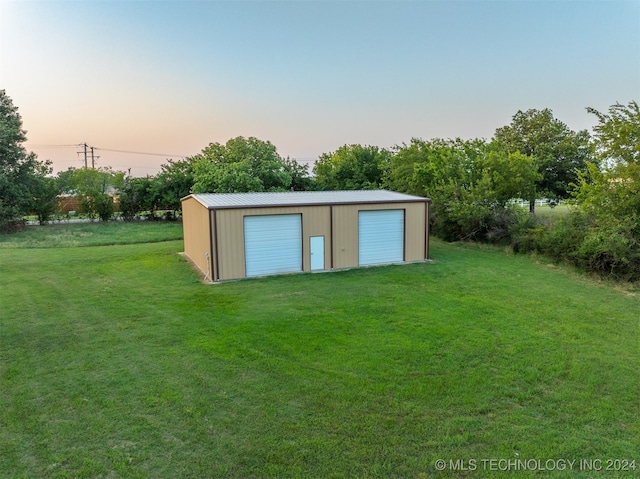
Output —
<point x="170" y="77"/>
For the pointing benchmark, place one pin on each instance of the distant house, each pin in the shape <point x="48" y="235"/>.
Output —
<point x="240" y="235"/>
<point x="68" y="203"/>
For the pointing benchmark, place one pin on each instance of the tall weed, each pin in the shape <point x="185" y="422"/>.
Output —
<point x="608" y="249"/>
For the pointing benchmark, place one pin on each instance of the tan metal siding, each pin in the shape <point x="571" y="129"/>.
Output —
<point x="415" y="230"/>
<point x="427" y="230"/>
<point x="230" y="223"/>
<point x="215" y="256"/>
<point x="345" y="236"/>
<point x="195" y="223"/>
<point x="337" y="223"/>
<point x="345" y="231"/>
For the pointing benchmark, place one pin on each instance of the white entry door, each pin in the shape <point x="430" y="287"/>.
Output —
<point x="316" y="250"/>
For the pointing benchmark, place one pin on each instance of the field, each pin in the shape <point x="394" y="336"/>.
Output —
<point x="547" y="212"/>
<point x="116" y="362"/>
<point x="92" y="234"/>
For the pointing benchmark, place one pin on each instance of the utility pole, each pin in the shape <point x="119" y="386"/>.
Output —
<point x="86" y="160"/>
<point x="85" y="154"/>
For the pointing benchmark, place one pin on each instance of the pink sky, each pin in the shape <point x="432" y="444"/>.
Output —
<point x="171" y="77"/>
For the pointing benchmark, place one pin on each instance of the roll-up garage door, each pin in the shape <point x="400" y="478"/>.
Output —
<point x="380" y="236"/>
<point x="272" y="244"/>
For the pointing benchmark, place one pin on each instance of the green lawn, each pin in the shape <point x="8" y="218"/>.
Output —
<point x="115" y="361"/>
<point x="92" y="234"/>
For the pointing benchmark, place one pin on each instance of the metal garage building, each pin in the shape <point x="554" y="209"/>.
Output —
<point x="239" y="235"/>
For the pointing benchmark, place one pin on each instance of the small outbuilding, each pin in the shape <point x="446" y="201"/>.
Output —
<point x="240" y="235"/>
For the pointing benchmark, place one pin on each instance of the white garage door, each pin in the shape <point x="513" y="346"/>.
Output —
<point x="380" y="236"/>
<point x="272" y="244"/>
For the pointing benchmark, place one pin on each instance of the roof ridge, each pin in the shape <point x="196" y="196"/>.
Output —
<point x="301" y="198"/>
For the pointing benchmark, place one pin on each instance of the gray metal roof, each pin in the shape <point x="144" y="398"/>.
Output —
<point x="300" y="198"/>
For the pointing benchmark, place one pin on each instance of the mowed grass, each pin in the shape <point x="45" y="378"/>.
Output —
<point x="92" y="234"/>
<point x="117" y="362"/>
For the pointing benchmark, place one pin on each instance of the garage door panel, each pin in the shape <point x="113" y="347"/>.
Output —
<point x="273" y="244"/>
<point x="380" y="236"/>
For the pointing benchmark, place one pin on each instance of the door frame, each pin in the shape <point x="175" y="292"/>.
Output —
<point x="318" y="249"/>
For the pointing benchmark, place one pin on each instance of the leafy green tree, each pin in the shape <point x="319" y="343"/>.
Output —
<point x="471" y="184"/>
<point x="240" y="165"/>
<point x="300" y="179"/>
<point x="617" y="136"/>
<point x="94" y="187"/>
<point x="173" y="183"/>
<point x="135" y="196"/>
<point x="421" y="165"/>
<point x="507" y="176"/>
<point x="102" y="204"/>
<point x="45" y="201"/>
<point x="352" y="167"/>
<point x="602" y="233"/>
<point x="613" y="189"/>
<point x="20" y="172"/>
<point x="558" y="152"/>
<point x="610" y="194"/>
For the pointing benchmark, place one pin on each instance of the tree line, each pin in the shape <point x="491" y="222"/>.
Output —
<point x="476" y="186"/>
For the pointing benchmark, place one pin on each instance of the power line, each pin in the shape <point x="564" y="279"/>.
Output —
<point x="142" y="153"/>
<point x="137" y="167"/>
<point x="55" y="146"/>
<point x="86" y="148"/>
<point x="40" y="146"/>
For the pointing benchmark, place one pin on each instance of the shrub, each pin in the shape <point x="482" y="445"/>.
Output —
<point x="12" y="226"/>
<point x="559" y="240"/>
<point x="611" y="250"/>
<point x="473" y="222"/>
<point x="608" y="250"/>
<point x="100" y="205"/>
<point x="503" y="223"/>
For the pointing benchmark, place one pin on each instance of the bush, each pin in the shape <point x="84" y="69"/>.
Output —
<point x="12" y="226"/>
<point x="104" y="206"/>
<point x="525" y="233"/>
<point x="559" y="240"/>
<point x="608" y="250"/>
<point x="504" y="223"/>
<point x="471" y="222"/>
<point x="611" y="251"/>
<point x="100" y="205"/>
